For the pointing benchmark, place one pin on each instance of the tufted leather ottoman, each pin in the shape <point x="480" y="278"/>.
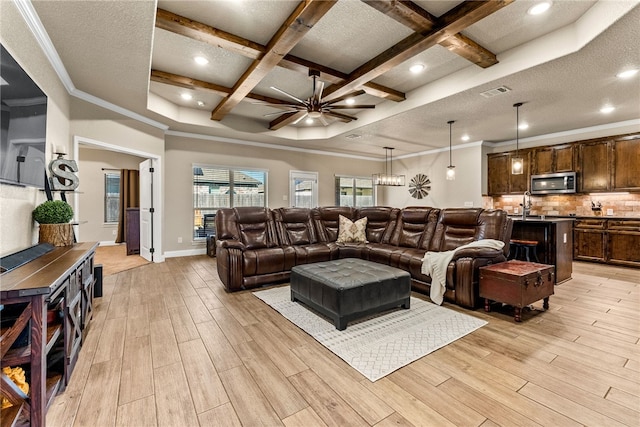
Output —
<point x="350" y="288"/>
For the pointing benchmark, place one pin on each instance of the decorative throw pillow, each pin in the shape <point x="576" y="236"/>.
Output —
<point x="352" y="232"/>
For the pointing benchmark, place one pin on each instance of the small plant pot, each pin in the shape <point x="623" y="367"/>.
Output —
<point x="56" y="234"/>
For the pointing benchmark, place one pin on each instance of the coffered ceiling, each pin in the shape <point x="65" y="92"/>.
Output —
<point x="139" y="56"/>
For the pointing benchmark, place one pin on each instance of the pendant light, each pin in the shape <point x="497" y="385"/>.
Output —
<point x="388" y="178"/>
<point x="517" y="162"/>
<point x="451" y="170"/>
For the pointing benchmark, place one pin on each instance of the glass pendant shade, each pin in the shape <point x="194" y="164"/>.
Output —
<point x="451" y="173"/>
<point x="517" y="165"/>
<point x="388" y="179"/>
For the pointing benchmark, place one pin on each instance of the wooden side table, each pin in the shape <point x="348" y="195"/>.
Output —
<point x="517" y="283"/>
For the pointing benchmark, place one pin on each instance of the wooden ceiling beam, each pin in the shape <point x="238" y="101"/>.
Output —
<point x="296" y="26"/>
<point x="286" y="119"/>
<point x="194" y="84"/>
<point x="198" y="31"/>
<point x="452" y="22"/>
<point x="419" y="20"/>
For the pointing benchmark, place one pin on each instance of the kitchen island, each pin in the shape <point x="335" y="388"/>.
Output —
<point x="555" y="241"/>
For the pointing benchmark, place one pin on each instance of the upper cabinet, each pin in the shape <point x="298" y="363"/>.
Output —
<point x="594" y="166"/>
<point x="601" y="165"/>
<point x="626" y="162"/>
<point x="499" y="178"/>
<point x="558" y="158"/>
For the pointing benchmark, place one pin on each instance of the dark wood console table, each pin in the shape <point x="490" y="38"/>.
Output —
<point x="62" y="281"/>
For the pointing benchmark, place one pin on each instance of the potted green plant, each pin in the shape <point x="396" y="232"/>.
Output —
<point x="53" y="217"/>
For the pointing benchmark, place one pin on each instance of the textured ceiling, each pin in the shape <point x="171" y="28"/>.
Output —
<point x="109" y="48"/>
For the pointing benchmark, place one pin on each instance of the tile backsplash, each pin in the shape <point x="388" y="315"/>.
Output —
<point x="611" y="204"/>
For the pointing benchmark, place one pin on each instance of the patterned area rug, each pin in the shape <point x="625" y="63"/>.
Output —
<point x="380" y="344"/>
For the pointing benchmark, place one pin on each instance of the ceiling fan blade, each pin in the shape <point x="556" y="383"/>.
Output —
<point x="299" y="119"/>
<point x="289" y="95"/>
<point x="342" y="117"/>
<point x="348" y="107"/>
<point x="319" y="90"/>
<point x="323" y="120"/>
<point x="279" y="113"/>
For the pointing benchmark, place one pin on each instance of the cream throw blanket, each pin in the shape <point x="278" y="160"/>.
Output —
<point x="435" y="264"/>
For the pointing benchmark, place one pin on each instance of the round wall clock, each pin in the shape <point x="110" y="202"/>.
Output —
<point x="419" y="186"/>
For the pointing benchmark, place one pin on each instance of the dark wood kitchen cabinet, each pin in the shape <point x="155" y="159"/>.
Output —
<point x="499" y="178"/>
<point x="626" y="162"/>
<point x="557" y="158"/>
<point x="594" y="166"/>
<point x="589" y="239"/>
<point x="623" y="242"/>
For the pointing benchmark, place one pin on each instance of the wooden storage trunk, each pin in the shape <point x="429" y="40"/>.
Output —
<point x="517" y="283"/>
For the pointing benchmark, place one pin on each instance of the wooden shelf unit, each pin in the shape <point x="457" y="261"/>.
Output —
<point x="48" y="282"/>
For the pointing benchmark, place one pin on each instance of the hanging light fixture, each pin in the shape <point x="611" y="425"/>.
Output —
<point x="388" y="178"/>
<point x="451" y="170"/>
<point x="517" y="162"/>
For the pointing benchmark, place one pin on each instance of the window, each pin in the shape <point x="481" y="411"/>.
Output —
<point x="303" y="189"/>
<point x="219" y="187"/>
<point x="354" y="191"/>
<point x="111" y="197"/>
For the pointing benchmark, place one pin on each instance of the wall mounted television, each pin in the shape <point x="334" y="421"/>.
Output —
<point x="23" y="126"/>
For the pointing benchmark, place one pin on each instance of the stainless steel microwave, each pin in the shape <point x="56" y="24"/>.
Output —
<point x="554" y="183"/>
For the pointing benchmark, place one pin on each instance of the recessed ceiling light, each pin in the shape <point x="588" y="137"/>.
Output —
<point x="523" y="126"/>
<point x="309" y="121"/>
<point x="186" y="96"/>
<point x="465" y="137"/>
<point x="539" y="8"/>
<point x="350" y="101"/>
<point x="201" y="60"/>
<point x="201" y="103"/>
<point x="417" y="68"/>
<point x="607" y="109"/>
<point x="627" y="74"/>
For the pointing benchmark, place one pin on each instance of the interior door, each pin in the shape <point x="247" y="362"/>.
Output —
<point x="146" y="210"/>
<point x="303" y="189"/>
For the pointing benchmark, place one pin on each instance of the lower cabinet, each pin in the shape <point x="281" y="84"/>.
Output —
<point x="607" y="240"/>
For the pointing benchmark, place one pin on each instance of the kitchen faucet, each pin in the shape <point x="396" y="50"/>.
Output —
<point x="526" y="204"/>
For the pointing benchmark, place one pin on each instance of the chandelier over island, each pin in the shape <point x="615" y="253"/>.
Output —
<point x="388" y="178"/>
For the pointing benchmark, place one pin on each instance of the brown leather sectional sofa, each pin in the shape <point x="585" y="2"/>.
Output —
<point x="258" y="246"/>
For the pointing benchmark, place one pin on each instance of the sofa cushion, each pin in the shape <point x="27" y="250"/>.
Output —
<point x="411" y="226"/>
<point x="456" y="227"/>
<point x="352" y="232"/>
<point x="294" y="226"/>
<point x="325" y="221"/>
<point x="381" y="221"/>
<point x="256" y="227"/>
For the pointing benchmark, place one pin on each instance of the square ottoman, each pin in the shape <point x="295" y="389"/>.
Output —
<point x="350" y="288"/>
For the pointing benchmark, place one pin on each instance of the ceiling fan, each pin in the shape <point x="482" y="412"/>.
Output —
<point x="314" y="107"/>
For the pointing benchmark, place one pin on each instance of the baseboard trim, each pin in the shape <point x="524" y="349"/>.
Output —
<point x="110" y="243"/>
<point x="189" y="252"/>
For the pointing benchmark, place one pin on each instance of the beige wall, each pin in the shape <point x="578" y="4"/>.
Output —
<point x="466" y="188"/>
<point x="17" y="229"/>
<point x="181" y="153"/>
<point x="91" y="191"/>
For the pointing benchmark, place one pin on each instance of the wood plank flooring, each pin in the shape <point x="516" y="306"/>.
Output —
<point x="169" y="347"/>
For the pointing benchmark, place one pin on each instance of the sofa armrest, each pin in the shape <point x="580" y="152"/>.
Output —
<point x="231" y="244"/>
<point x="464" y="272"/>
<point x="478" y="253"/>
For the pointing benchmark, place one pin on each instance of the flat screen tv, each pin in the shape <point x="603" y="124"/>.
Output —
<point x="24" y="123"/>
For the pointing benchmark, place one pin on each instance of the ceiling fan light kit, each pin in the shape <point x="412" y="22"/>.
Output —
<point x="387" y="178"/>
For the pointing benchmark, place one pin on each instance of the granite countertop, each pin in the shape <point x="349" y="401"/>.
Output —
<point x="516" y="217"/>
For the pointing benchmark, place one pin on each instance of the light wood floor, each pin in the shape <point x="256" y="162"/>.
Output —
<point x="168" y="347"/>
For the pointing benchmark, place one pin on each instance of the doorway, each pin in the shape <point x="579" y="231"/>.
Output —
<point x="303" y="189"/>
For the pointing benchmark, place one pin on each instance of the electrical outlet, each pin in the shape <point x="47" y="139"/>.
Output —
<point x="285" y="198"/>
<point x="564" y="238"/>
<point x="610" y="212"/>
<point x="468" y="204"/>
<point x="114" y="232"/>
<point x="515" y="210"/>
<point x="179" y="239"/>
